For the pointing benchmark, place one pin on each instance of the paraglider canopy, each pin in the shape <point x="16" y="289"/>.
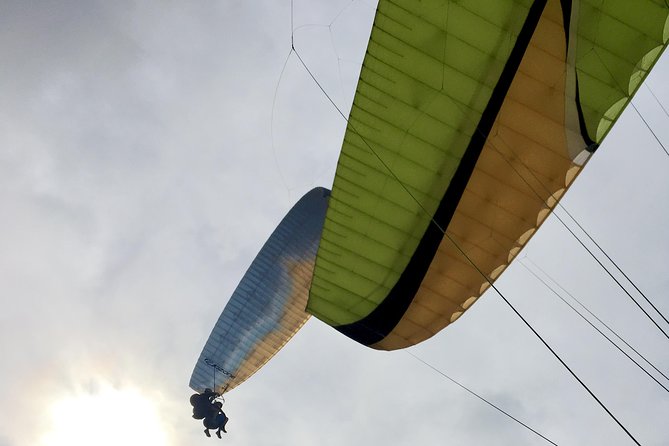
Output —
<point x="469" y="123"/>
<point x="267" y="307"/>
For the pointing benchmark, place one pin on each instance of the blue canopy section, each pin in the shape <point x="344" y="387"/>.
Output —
<point x="268" y="306"/>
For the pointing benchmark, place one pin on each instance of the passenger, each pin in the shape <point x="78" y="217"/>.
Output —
<point x="217" y="421"/>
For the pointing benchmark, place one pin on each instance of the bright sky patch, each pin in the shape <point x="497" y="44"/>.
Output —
<point x="106" y="417"/>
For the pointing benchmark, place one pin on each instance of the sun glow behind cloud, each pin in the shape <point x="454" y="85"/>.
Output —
<point x="107" y="416"/>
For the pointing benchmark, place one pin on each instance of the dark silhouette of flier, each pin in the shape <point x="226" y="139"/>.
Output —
<point x="210" y="411"/>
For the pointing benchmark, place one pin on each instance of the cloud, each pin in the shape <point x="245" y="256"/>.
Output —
<point x="139" y="176"/>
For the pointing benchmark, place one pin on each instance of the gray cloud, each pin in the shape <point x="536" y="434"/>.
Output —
<point x="139" y="176"/>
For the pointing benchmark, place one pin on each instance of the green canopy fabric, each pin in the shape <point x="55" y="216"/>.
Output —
<point x="470" y="119"/>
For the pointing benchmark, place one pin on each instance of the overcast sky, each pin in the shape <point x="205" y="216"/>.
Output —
<point x="148" y="149"/>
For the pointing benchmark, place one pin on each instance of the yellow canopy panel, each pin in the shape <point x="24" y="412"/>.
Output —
<point x="470" y="118"/>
